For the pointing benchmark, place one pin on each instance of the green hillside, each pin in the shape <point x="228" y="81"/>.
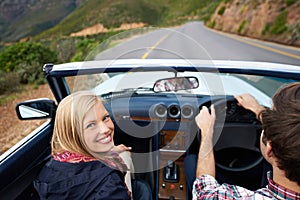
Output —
<point x="21" y="19"/>
<point x="113" y="13"/>
<point x="109" y="13"/>
<point x="182" y="9"/>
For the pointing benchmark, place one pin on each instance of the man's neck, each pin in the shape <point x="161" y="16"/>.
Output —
<point x="280" y="178"/>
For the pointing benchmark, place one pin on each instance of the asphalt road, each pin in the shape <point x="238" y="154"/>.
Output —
<point x="195" y="41"/>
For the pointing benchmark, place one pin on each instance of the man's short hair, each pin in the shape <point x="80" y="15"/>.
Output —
<point x="281" y="126"/>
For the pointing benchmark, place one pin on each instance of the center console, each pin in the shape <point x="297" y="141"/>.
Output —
<point x="172" y="182"/>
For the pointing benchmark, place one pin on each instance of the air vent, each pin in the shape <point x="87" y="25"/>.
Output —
<point x="158" y="110"/>
<point x="187" y="111"/>
<point x="174" y="111"/>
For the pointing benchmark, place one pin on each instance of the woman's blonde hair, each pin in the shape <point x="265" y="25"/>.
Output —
<point x="68" y="125"/>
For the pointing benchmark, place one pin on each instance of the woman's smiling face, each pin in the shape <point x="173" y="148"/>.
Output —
<point x="98" y="129"/>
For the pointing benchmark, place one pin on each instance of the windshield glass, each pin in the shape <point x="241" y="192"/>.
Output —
<point x="105" y="84"/>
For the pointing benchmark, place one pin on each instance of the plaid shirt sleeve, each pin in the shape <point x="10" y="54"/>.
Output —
<point x="206" y="187"/>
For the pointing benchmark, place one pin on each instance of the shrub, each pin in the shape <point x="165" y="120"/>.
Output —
<point x="242" y="26"/>
<point x="84" y="47"/>
<point x="8" y="82"/>
<point x="290" y="2"/>
<point x="207" y="11"/>
<point x="28" y="53"/>
<point x="279" y="26"/>
<point x="21" y="63"/>
<point x="212" y="24"/>
<point x="221" y="10"/>
<point x="266" y="29"/>
<point x="30" y="73"/>
<point x="65" y="48"/>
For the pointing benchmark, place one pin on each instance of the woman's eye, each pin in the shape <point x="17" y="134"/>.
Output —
<point x="107" y="117"/>
<point x="90" y="125"/>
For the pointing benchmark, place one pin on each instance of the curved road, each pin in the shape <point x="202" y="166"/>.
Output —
<point x="195" y="41"/>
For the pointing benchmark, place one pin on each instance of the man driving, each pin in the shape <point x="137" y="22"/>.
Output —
<point x="279" y="144"/>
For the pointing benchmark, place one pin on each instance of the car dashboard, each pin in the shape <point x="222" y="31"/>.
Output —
<point x="161" y="130"/>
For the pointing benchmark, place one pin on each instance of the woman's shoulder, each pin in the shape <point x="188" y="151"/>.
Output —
<point x="61" y="177"/>
<point x="64" y="173"/>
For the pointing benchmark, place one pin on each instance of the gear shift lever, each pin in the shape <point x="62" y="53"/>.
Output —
<point x="171" y="172"/>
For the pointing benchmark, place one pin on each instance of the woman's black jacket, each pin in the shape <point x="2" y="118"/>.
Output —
<point x="84" y="180"/>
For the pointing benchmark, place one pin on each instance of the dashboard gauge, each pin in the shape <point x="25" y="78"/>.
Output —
<point x="231" y="108"/>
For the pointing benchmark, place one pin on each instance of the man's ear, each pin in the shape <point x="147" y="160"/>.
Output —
<point x="269" y="149"/>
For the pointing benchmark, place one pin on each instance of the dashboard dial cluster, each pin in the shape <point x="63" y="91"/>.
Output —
<point x="173" y="110"/>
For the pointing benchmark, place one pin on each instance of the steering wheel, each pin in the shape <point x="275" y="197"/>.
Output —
<point x="247" y="167"/>
<point x="235" y="140"/>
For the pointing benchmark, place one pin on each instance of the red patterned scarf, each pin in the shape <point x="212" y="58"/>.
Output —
<point x="113" y="160"/>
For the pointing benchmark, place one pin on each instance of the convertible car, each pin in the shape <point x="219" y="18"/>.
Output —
<point x="153" y="104"/>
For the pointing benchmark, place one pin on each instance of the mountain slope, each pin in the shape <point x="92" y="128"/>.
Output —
<point x="111" y="14"/>
<point x="273" y="20"/>
<point x="108" y="13"/>
<point x="23" y="18"/>
<point x="26" y="18"/>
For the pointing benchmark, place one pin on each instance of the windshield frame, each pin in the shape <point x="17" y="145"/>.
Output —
<point x="56" y="74"/>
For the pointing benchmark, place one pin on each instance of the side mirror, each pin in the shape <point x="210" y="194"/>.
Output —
<point x="36" y="109"/>
<point x="175" y="84"/>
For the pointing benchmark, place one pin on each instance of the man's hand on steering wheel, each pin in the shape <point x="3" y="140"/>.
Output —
<point x="206" y="162"/>
<point x="205" y="121"/>
<point x="249" y="103"/>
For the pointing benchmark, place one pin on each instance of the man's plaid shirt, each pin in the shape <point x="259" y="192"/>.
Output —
<point x="206" y="187"/>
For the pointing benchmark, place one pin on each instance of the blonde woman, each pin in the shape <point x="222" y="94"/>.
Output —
<point x="85" y="162"/>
